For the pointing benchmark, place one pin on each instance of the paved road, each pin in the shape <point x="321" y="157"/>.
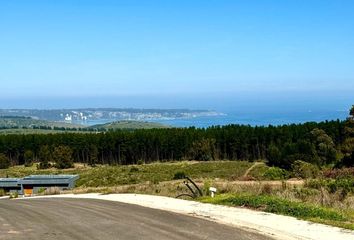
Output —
<point x="96" y="219"/>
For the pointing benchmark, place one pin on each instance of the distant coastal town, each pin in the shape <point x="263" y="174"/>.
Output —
<point x="90" y="114"/>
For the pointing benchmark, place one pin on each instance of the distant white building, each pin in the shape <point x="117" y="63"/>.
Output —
<point x="68" y="118"/>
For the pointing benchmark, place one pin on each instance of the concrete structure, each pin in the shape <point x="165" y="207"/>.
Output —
<point x="32" y="184"/>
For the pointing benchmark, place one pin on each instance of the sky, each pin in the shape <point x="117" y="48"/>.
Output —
<point x="185" y="53"/>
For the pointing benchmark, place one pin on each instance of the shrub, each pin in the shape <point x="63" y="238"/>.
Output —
<point x="140" y="162"/>
<point x="179" y="175"/>
<point x="52" y="191"/>
<point x="4" y="161"/>
<point x="303" y="169"/>
<point x="345" y="185"/>
<point x="44" y="165"/>
<point x="2" y="192"/>
<point x="41" y="190"/>
<point x="275" y="173"/>
<point x="14" y="195"/>
<point x="134" y="169"/>
<point x="339" y="173"/>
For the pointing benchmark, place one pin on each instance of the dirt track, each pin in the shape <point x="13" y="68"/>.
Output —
<point x="97" y="219"/>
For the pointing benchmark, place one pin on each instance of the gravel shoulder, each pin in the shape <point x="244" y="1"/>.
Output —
<point x="267" y="224"/>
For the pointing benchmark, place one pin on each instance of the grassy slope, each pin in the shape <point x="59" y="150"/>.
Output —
<point x="129" y="125"/>
<point x="9" y="122"/>
<point x="105" y="176"/>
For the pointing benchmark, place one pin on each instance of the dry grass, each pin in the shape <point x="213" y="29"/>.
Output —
<point x="52" y="191"/>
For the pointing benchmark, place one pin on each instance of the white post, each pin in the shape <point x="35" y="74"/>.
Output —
<point x="212" y="191"/>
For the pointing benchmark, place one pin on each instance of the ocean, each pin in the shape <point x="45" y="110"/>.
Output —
<point x="258" y="118"/>
<point x="247" y="118"/>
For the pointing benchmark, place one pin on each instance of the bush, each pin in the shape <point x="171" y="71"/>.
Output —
<point x="179" y="175"/>
<point x="339" y="173"/>
<point x="2" y="192"/>
<point x="134" y="169"/>
<point x="4" y="161"/>
<point x="345" y="185"/>
<point x="303" y="169"/>
<point x="52" y="191"/>
<point x="44" y="165"/>
<point x="275" y="173"/>
<point x="14" y="195"/>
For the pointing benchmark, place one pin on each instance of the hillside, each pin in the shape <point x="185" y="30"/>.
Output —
<point x="28" y="125"/>
<point x="128" y="125"/>
<point x="11" y="122"/>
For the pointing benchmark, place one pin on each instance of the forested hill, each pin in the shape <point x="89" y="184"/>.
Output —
<point x="330" y="142"/>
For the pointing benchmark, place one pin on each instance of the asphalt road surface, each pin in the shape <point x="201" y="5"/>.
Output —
<point x="96" y="219"/>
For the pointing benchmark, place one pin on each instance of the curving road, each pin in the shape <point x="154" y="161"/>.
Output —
<point x="96" y="219"/>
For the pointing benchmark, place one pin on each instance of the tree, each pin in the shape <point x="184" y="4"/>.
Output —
<point x="351" y="113"/>
<point x="44" y="157"/>
<point x="274" y="156"/>
<point x="325" y="147"/>
<point x="203" y="150"/>
<point x="29" y="158"/>
<point x="348" y="144"/>
<point x="4" y="161"/>
<point x="62" y="156"/>
<point x="93" y="156"/>
<point x="347" y="161"/>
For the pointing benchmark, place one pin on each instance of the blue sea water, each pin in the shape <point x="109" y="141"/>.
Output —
<point x="247" y="118"/>
<point x="258" y="118"/>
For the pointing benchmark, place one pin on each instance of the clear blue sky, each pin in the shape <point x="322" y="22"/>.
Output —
<point x="187" y="47"/>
